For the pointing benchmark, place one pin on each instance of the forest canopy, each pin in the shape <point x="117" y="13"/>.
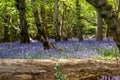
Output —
<point x="67" y="10"/>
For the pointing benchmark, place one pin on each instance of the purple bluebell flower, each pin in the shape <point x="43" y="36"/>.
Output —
<point x="65" y="49"/>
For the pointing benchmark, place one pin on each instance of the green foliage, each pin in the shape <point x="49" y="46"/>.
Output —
<point x="58" y="74"/>
<point x="107" y="53"/>
<point x="87" y="15"/>
<point x="90" y="30"/>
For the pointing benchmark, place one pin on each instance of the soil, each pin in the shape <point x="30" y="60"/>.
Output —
<point x="74" y="69"/>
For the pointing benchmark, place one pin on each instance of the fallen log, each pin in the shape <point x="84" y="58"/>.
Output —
<point x="74" y="69"/>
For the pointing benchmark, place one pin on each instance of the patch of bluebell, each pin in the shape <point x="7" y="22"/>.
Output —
<point x="65" y="49"/>
<point x="109" y="78"/>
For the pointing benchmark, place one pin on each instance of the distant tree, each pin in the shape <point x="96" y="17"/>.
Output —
<point x="108" y="34"/>
<point x="62" y="19"/>
<point x="56" y="23"/>
<point x="43" y="18"/>
<point x="21" y="5"/>
<point x="110" y="16"/>
<point x="6" y="37"/>
<point x="99" y="36"/>
<point x="116" y="9"/>
<point x="78" y="23"/>
<point x="63" y="32"/>
<point x="41" y="33"/>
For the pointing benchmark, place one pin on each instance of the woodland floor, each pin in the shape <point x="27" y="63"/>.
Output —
<point x="44" y="69"/>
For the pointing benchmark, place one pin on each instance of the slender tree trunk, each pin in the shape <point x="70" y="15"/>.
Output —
<point x="6" y="37"/>
<point x="108" y="34"/>
<point x="40" y="31"/>
<point x="13" y="31"/>
<point x="41" y="34"/>
<point x="110" y="17"/>
<point x="58" y="38"/>
<point x="98" y="35"/>
<point x="24" y="38"/>
<point x="62" y="20"/>
<point x="117" y="7"/>
<point x="79" y="27"/>
<point x="43" y="19"/>
<point x="62" y="29"/>
<point x="6" y="34"/>
<point x="13" y="34"/>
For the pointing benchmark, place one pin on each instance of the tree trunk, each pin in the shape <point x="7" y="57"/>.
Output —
<point x="78" y="23"/>
<point x="43" y="19"/>
<point x="13" y="32"/>
<point x="62" y="26"/>
<point x="62" y="20"/>
<point x="74" y="69"/>
<point x="41" y="33"/>
<point x="110" y="17"/>
<point x="6" y="34"/>
<point x="108" y="34"/>
<point x="6" y="37"/>
<point x="58" y="38"/>
<point x="98" y="35"/>
<point x="24" y="38"/>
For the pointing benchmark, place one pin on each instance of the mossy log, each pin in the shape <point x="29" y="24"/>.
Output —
<point x="75" y="69"/>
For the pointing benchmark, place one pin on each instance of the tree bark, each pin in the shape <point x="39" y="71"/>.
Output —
<point x="110" y="17"/>
<point x="78" y="23"/>
<point x="63" y="30"/>
<point x="6" y="34"/>
<point x="58" y="38"/>
<point x="20" y="4"/>
<point x="13" y="32"/>
<point x="41" y="33"/>
<point x="98" y="35"/>
<point x="6" y="37"/>
<point x="108" y="34"/>
<point x="43" y="19"/>
<point x="75" y="69"/>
